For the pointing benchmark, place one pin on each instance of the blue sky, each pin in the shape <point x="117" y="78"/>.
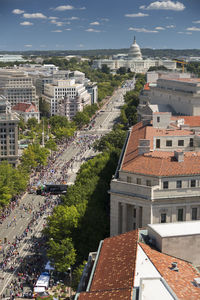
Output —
<point x="95" y="24"/>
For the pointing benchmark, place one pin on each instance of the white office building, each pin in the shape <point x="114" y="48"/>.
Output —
<point x="68" y="94"/>
<point x="17" y="87"/>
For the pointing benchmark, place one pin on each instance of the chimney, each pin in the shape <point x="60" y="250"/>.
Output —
<point x="144" y="146"/>
<point x="179" y="155"/>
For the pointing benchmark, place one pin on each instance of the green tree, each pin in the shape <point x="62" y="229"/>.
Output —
<point x="32" y="123"/>
<point x="105" y="69"/>
<point x="61" y="254"/>
<point x="81" y="119"/>
<point x="51" y="145"/>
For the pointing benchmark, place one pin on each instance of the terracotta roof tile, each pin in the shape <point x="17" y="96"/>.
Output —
<point x="137" y="133"/>
<point x="182" y="282"/>
<point x="116" y="263"/>
<point x="165" y="165"/>
<point x="192" y="121"/>
<point x="25" y="107"/>
<point x="123" y="294"/>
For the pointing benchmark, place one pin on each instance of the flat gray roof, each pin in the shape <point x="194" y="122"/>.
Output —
<point x="176" y="229"/>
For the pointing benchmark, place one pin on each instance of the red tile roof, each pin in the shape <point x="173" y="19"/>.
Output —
<point x="182" y="282"/>
<point x="123" y="294"/>
<point x="164" y="164"/>
<point x="138" y="132"/>
<point x="192" y="121"/>
<point x="116" y="264"/>
<point x="25" y="107"/>
<point x="146" y="87"/>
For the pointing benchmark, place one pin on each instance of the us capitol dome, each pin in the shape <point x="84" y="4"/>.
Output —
<point x="134" y="51"/>
<point x="133" y="60"/>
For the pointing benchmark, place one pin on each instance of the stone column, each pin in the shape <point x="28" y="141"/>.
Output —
<point x="188" y="216"/>
<point x="124" y="217"/>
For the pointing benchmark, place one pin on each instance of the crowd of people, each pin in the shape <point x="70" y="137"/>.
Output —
<point x="28" y="268"/>
<point x="57" y="171"/>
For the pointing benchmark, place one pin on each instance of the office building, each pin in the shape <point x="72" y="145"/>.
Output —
<point x="71" y="96"/>
<point x="17" y="87"/>
<point x="158" y="177"/>
<point x="8" y="133"/>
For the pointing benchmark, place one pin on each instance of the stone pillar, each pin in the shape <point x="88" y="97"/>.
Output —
<point x="188" y="216"/>
<point x="124" y="217"/>
<point x="114" y="216"/>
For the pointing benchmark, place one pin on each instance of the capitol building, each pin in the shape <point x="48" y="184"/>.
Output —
<point x="133" y="61"/>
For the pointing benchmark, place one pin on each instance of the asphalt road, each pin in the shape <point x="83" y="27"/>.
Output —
<point x="76" y="152"/>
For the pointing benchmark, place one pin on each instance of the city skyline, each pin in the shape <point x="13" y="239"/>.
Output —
<point x="87" y="24"/>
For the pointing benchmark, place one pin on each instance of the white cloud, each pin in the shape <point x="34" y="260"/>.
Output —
<point x="26" y="23"/>
<point x="164" y="5"/>
<point x="81" y="45"/>
<point x="92" y="30"/>
<point x="17" y="11"/>
<point x="138" y="15"/>
<point x="193" y="28"/>
<point x="34" y="16"/>
<point x="159" y="28"/>
<point x="68" y="29"/>
<point x="196" y="22"/>
<point x="73" y="18"/>
<point x="53" y="18"/>
<point x="56" y="31"/>
<point x="28" y="46"/>
<point x="82" y="8"/>
<point x="95" y="23"/>
<point x="64" y="7"/>
<point x="170" y="26"/>
<point x="57" y="23"/>
<point x="142" y="30"/>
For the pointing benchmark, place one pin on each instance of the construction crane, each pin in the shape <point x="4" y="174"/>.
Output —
<point x="182" y="63"/>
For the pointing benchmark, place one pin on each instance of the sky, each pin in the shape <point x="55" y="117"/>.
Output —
<point x="98" y="24"/>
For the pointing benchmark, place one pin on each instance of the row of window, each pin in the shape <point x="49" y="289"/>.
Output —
<point x="169" y="143"/>
<point x="179" y="184"/>
<point x="180" y="215"/>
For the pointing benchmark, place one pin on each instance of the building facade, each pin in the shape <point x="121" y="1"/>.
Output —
<point x="72" y="97"/>
<point x="158" y="179"/>
<point x="27" y="111"/>
<point x="8" y="133"/>
<point x="17" y="87"/>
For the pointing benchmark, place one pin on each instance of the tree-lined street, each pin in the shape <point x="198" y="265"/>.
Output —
<point x="63" y="167"/>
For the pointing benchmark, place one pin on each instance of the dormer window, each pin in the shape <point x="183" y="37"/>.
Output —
<point x="158" y="119"/>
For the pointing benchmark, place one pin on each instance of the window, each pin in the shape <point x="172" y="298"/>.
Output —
<point x="134" y="213"/>
<point x="169" y="143"/>
<point x="179" y="184"/>
<point x="163" y="218"/>
<point x="128" y="179"/>
<point x="158" y="143"/>
<point x="193" y="183"/>
<point x="180" y="214"/>
<point x="158" y="119"/>
<point x="165" y="185"/>
<point x="194" y="213"/>
<point x="139" y="181"/>
<point x="191" y="142"/>
<point x="148" y="182"/>
<point x="180" y="142"/>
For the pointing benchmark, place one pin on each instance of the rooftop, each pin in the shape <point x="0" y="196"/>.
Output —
<point x="126" y="265"/>
<point x="176" y="229"/>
